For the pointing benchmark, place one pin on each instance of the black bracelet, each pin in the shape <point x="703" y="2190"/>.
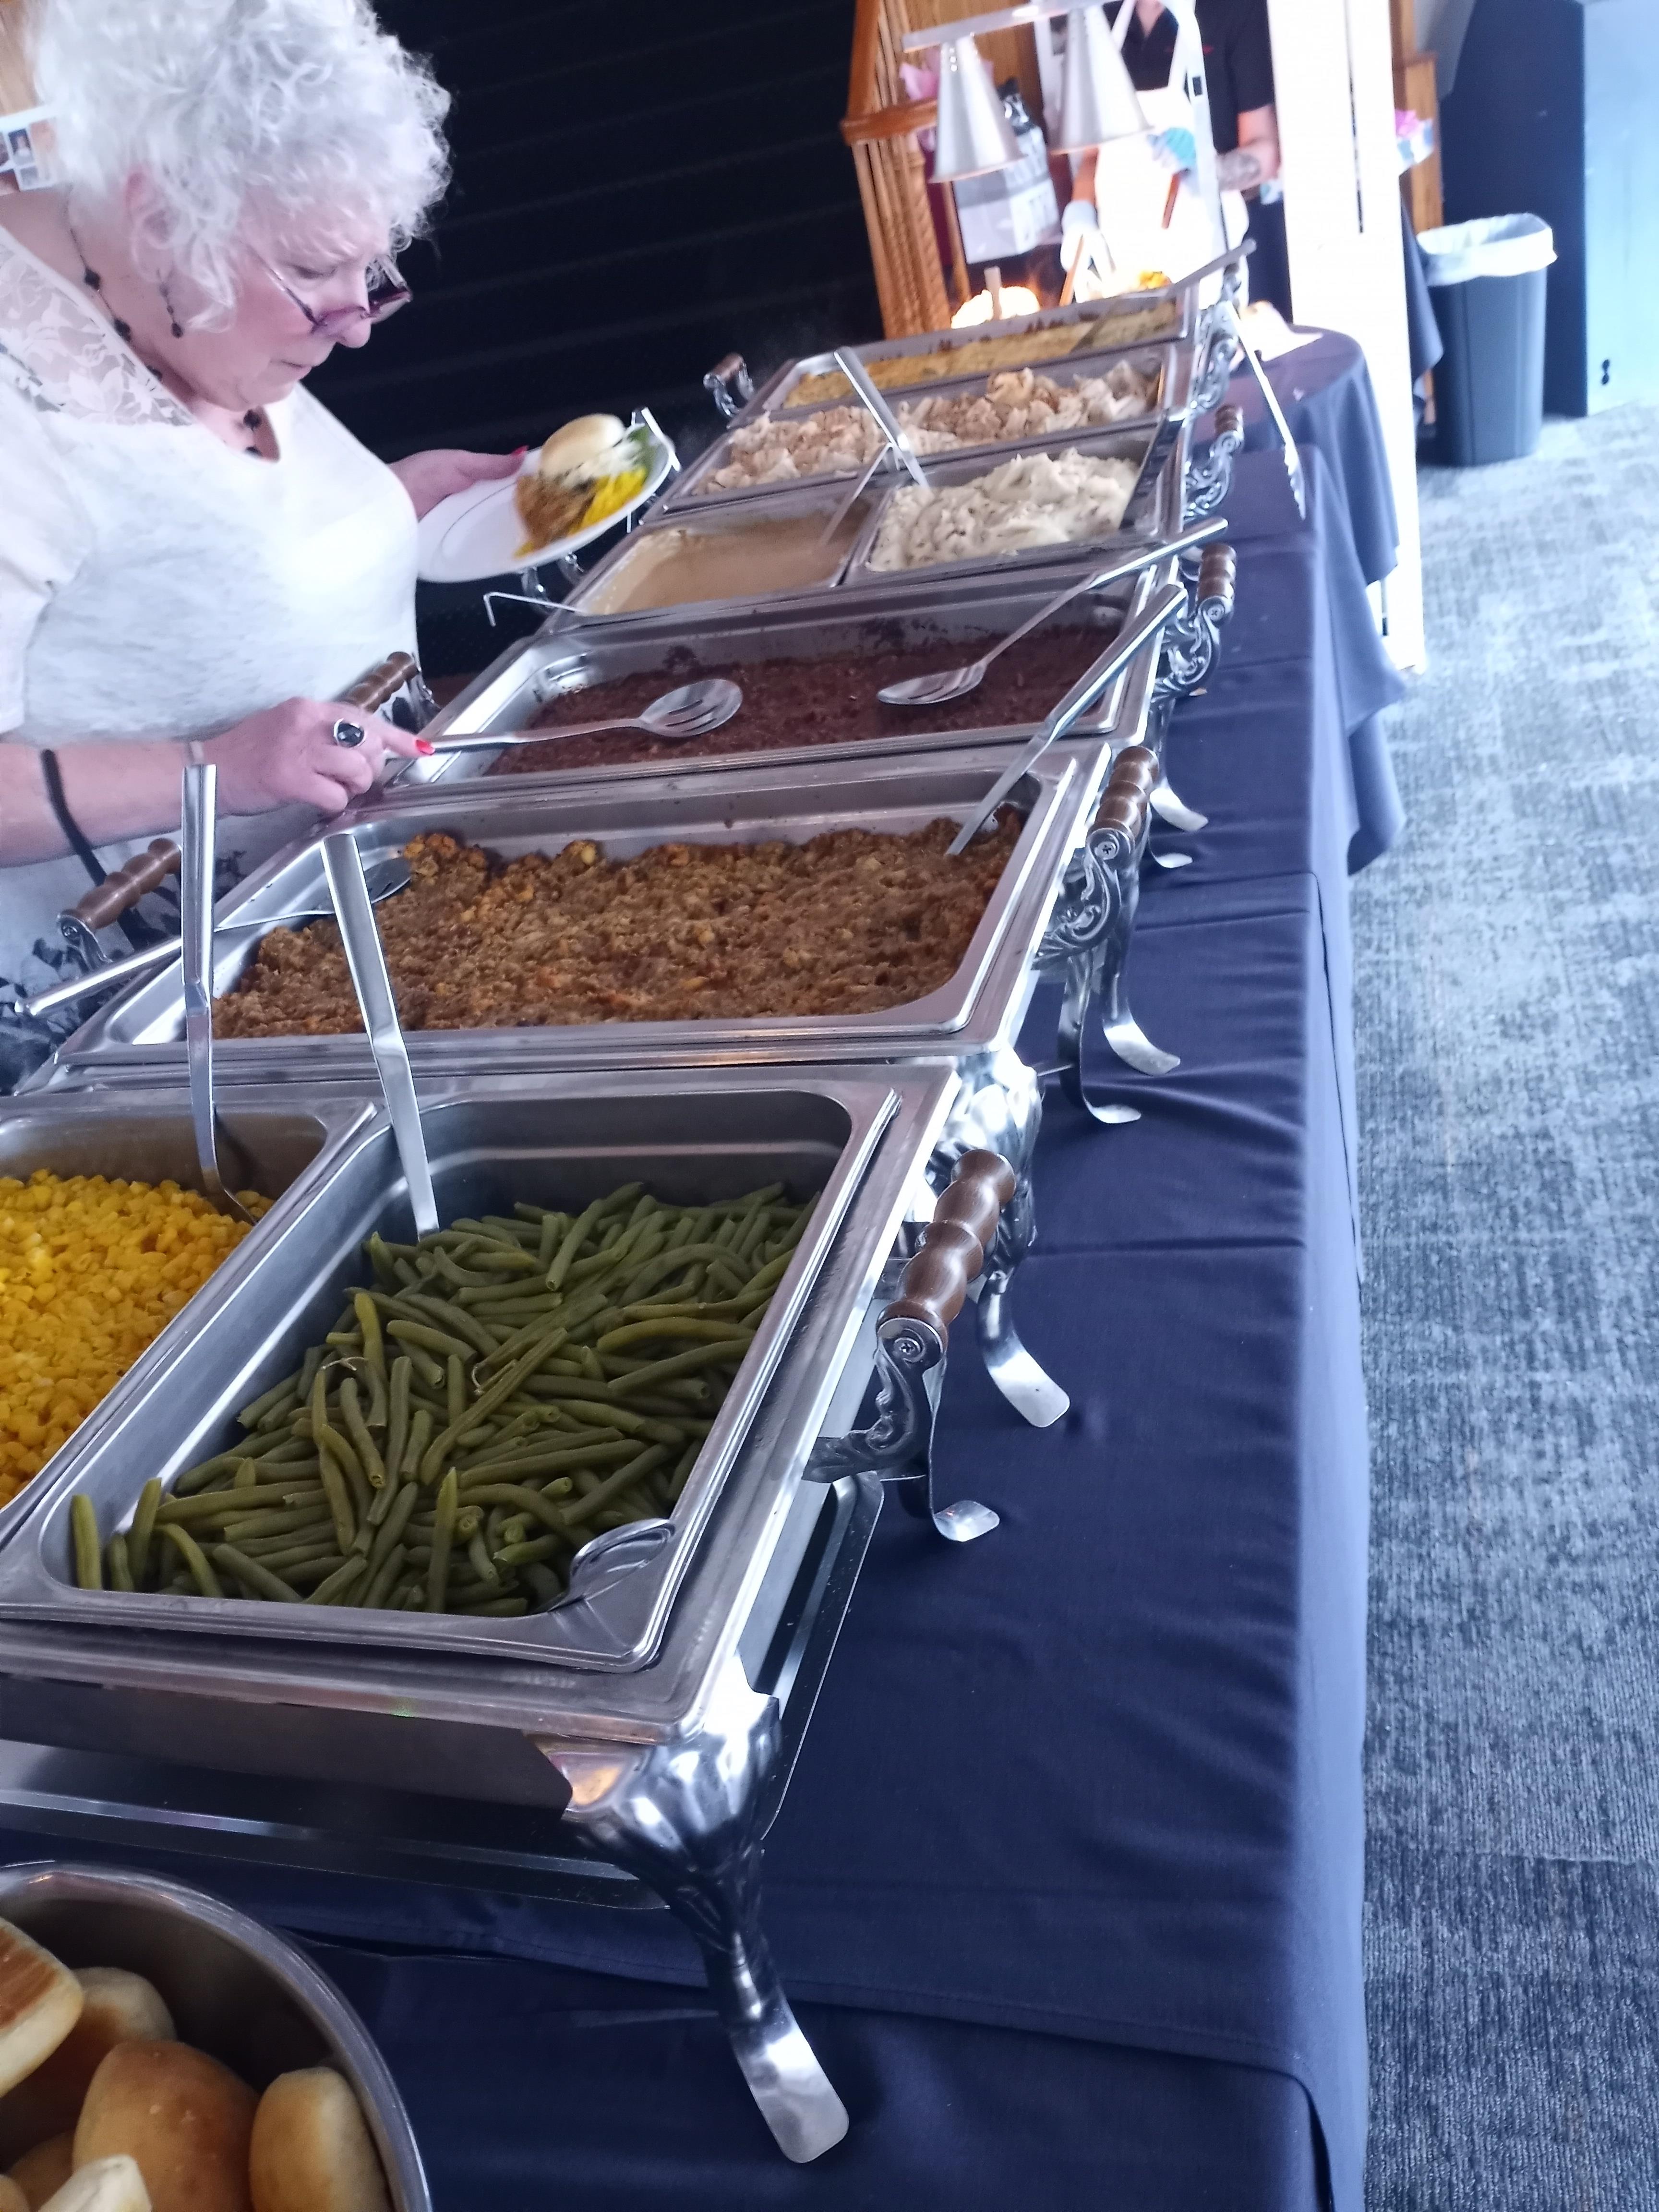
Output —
<point x="77" y="838"/>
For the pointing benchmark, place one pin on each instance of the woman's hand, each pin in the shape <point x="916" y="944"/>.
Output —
<point x="429" y="477"/>
<point x="288" y="754"/>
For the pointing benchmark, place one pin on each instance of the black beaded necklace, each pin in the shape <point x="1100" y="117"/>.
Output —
<point x="253" y="420"/>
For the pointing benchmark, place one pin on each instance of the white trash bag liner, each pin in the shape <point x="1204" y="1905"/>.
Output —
<point x="1496" y="246"/>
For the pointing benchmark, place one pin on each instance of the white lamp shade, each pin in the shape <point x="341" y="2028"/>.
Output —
<point x="972" y="132"/>
<point x="1097" y="102"/>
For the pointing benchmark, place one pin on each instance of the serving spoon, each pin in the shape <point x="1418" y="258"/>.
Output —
<point x="957" y="683"/>
<point x="386" y="879"/>
<point x="691" y="711"/>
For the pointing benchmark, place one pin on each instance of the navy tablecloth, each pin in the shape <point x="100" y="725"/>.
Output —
<point x="1068" y="1881"/>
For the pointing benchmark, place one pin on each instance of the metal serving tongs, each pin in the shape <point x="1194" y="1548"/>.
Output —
<point x="886" y="421"/>
<point x="1293" y="468"/>
<point x="196" y="914"/>
<point x="1138" y="631"/>
<point x="365" y="957"/>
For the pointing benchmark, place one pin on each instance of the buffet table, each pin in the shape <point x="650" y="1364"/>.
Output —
<point x="1067" y="1881"/>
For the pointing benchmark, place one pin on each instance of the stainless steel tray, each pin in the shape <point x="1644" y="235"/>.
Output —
<point x="276" y="1143"/>
<point x="141" y="1033"/>
<point x="1145" y="518"/>
<point x="775" y="393"/>
<point x="960" y="619"/>
<point x="1171" y="367"/>
<point x="857" y="1136"/>
<point x="1157" y="509"/>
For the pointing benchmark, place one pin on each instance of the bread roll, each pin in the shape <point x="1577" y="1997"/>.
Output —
<point x="39" y="2003"/>
<point x="110" y="2184"/>
<point x="42" y="2171"/>
<point x="580" y="445"/>
<point x="118" y="2008"/>
<point x="312" y="2148"/>
<point x="12" y="2198"/>
<point x="184" y="2117"/>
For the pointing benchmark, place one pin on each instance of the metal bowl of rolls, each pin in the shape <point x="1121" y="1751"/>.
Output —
<point x="236" y="1990"/>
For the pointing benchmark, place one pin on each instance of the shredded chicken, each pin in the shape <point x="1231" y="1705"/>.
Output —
<point x="1036" y="499"/>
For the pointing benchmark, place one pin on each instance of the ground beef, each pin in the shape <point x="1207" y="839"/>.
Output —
<point x="826" y="701"/>
<point x="849" y="923"/>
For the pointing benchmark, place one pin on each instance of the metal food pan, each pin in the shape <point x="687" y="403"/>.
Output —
<point x="775" y="393"/>
<point x="1170" y="367"/>
<point x="716" y="519"/>
<point x="960" y="619"/>
<point x="1146" y="517"/>
<point x="278" y="1144"/>
<point x="782" y="799"/>
<point x="559" y="1143"/>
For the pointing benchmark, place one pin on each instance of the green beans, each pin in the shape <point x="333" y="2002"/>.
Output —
<point x="488" y="1401"/>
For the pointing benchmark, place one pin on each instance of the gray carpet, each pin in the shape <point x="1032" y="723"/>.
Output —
<point x="1507" y="1017"/>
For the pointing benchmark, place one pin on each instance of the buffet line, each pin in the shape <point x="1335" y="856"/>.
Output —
<point x="558" y="1184"/>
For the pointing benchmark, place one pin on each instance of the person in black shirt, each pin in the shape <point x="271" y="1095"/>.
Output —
<point x="1243" y="120"/>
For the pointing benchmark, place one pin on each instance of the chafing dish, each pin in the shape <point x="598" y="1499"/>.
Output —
<point x="958" y="619"/>
<point x="1144" y="517"/>
<point x="273" y="1142"/>
<point x="1170" y="368"/>
<point x="1156" y="509"/>
<point x="670" y="1770"/>
<point x="1174" y="303"/>
<point x="141" y="1033"/>
<point x="236" y="1989"/>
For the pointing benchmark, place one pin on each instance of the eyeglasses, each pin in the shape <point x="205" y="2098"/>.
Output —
<point x="384" y="288"/>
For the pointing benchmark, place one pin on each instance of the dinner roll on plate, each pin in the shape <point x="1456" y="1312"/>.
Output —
<point x="42" y="2171"/>
<point x="109" y="2184"/>
<point x="185" y="2118"/>
<point x="39" y="2003"/>
<point x="312" y="2148"/>
<point x="117" y="2008"/>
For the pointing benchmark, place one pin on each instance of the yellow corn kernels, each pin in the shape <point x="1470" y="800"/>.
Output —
<point x="91" y="1271"/>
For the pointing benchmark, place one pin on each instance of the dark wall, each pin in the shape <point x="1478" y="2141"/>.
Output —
<point x="638" y="190"/>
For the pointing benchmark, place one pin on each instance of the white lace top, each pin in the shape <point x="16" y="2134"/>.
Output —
<point x="154" y="581"/>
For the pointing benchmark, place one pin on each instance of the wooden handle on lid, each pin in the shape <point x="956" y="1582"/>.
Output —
<point x="381" y="682"/>
<point x="123" y="888"/>
<point x="1230" y="424"/>
<point x="1217" y="573"/>
<point x="954" y="1243"/>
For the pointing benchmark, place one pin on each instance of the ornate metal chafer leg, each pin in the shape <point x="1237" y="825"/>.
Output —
<point x="1191" y="646"/>
<point x="1089" y="936"/>
<point x="1211" y="479"/>
<point x="683" y="1816"/>
<point x="1221" y="343"/>
<point x="999" y="1108"/>
<point x="912" y="1339"/>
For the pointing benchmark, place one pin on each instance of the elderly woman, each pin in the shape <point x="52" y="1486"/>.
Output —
<point x="196" y="559"/>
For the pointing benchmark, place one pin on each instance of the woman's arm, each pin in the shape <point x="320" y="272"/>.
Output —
<point x="431" y="477"/>
<point x="130" y="788"/>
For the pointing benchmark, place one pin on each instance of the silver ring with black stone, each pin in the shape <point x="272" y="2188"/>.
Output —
<point x="349" y="734"/>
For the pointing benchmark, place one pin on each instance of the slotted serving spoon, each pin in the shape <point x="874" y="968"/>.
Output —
<point x="386" y="879"/>
<point x="957" y="683"/>
<point x="691" y="711"/>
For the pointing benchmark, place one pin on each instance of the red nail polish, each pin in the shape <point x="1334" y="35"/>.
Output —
<point x="424" y="745"/>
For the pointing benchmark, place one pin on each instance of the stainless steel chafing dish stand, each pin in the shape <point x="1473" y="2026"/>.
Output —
<point x="958" y="617"/>
<point x="1170" y="368"/>
<point x="1156" y="509"/>
<point x="658" y="1739"/>
<point x="139" y="1038"/>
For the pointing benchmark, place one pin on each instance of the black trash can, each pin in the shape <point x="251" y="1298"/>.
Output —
<point x="1488" y="281"/>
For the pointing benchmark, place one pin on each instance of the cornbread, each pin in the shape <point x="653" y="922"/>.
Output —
<point x="980" y="356"/>
<point x="848" y="923"/>
<point x="91" y="1271"/>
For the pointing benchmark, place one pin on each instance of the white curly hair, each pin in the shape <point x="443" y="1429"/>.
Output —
<point x="273" y="116"/>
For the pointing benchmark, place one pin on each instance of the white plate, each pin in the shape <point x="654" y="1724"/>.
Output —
<point x="477" y="533"/>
